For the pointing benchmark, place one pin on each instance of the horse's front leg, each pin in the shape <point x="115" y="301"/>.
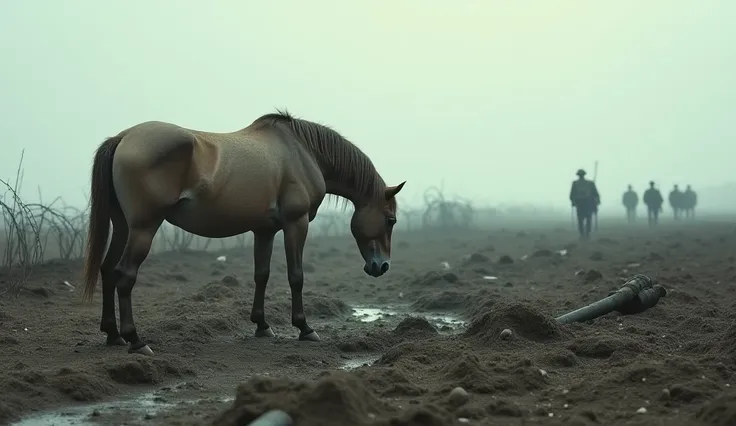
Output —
<point x="295" y="235"/>
<point x="262" y="250"/>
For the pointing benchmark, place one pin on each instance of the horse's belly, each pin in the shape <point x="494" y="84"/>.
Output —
<point x="215" y="220"/>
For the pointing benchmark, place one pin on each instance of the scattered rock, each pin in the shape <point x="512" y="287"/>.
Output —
<point x="593" y="275"/>
<point x="458" y="396"/>
<point x="505" y="260"/>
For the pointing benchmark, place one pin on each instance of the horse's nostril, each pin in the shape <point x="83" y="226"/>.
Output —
<point x="384" y="267"/>
<point x="374" y="268"/>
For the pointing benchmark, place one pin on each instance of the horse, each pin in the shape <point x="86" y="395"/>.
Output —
<point x="267" y="177"/>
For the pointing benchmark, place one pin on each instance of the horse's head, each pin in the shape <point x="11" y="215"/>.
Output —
<point x="372" y="225"/>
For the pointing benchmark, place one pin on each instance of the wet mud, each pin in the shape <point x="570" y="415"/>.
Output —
<point x="461" y="331"/>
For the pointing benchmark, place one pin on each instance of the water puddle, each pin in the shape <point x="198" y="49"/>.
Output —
<point x="439" y="320"/>
<point x="139" y="406"/>
<point x="358" y="362"/>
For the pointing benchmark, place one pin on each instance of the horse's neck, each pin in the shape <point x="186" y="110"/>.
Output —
<point x="341" y="181"/>
<point x="341" y="189"/>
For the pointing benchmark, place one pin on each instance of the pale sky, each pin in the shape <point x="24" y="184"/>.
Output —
<point x="503" y="100"/>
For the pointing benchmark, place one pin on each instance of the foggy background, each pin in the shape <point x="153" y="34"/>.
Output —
<point x="503" y="101"/>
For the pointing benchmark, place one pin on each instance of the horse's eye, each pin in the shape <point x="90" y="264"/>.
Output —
<point x="391" y="221"/>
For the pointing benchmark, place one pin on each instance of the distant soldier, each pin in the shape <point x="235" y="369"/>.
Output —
<point x="630" y="200"/>
<point x="675" y="200"/>
<point x="690" y="200"/>
<point x="653" y="200"/>
<point x="585" y="198"/>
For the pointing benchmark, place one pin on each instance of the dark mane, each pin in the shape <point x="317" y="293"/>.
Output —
<point x="339" y="157"/>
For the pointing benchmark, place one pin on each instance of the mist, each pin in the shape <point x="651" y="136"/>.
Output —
<point x="498" y="102"/>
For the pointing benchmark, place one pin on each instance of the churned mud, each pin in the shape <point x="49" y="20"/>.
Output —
<point x="460" y="331"/>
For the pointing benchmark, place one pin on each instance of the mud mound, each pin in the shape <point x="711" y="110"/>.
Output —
<point x="144" y="370"/>
<point x="418" y="354"/>
<point x="201" y="317"/>
<point x="721" y="411"/>
<point x="390" y="382"/>
<point x="432" y="278"/>
<point x="470" y="373"/>
<point x="81" y="386"/>
<point x="728" y="343"/>
<point x="604" y="346"/>
<point x="23" y="390"/>
<point x="217" y="290"/>
<point x="336" y="399"/>
<point x="523" y="319"/>
<point x="414" y="327"/>
<point x="372" y="341"/>
<point x="324" y="307"/>
<point x="446" y="300"/>
<point x="428" y="415"/>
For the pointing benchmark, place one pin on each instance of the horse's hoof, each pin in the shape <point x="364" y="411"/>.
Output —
<point x="265" y="333"/>
<point x="310" y="337"/>
<point x="118" y="341"/>
<point x="143" y="350"/>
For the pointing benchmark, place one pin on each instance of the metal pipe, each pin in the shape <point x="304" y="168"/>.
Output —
<point x="636" y="295"/>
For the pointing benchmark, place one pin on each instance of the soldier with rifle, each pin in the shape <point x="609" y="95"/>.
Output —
<point x="585" y="198"/>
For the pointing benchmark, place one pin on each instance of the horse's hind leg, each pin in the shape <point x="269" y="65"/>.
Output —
<point x="136" y="250"/>
<point x="262" y="251"/>
<point x="108" y="323"/>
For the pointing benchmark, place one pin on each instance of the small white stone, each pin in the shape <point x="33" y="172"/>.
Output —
<point x="543" y="372"/>
<point x="506" y="333"/>
<point x="458" y="396"/>
<point x="221" y="259"/>
<point x="550" y="414"/>
<point x="463" y="420"/>
<point x="641" y="410"/>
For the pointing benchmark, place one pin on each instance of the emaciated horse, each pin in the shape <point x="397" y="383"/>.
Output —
<point x="269" y="176"/>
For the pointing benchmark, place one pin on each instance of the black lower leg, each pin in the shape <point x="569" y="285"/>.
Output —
<point x="262" y="251"/>
<point x="295" y="235"/>
<point x="298" y="318"/>
<point x="257" y="314"/>
<point x="108" y="323"/>
<point x="127" y="325"/>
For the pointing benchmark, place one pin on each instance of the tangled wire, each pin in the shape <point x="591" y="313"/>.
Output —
<point x="443" y="213"/>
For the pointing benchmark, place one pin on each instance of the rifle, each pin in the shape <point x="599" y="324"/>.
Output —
<point x="595" y="175"/>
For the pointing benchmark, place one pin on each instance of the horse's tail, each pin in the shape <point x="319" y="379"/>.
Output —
<point x="103" y="199"/>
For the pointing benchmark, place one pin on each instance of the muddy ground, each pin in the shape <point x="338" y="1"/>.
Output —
<point x="392" y="349"/>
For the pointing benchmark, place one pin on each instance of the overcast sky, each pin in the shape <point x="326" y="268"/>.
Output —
<point x="503" y="100"/>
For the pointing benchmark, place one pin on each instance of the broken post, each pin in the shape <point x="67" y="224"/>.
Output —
<point x="636" y="295"/>
<point x="273" y="418"/>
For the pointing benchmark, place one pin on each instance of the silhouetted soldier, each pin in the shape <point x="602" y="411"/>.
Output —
<point x="675" y="200"/>
<point x="689" y="201"/>
<point x="630" y="200"/>
<point x="653" y="200"/>
<point x="585" y="198"/>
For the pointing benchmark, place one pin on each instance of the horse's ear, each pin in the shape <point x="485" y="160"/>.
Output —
<point x="391" y="191"/>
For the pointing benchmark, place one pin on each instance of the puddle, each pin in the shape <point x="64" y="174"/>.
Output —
<point x="149" y="403"/>
<point x="439" y="320"/>
<point x="358" y="362"/>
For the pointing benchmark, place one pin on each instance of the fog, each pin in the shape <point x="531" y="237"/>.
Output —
<point x="499" y="101"/>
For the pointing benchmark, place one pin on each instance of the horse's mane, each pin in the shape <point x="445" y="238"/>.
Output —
<point x="339" y="157"/>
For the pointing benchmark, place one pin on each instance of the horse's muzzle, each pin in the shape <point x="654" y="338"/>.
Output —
<point x="377" y="267"/>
